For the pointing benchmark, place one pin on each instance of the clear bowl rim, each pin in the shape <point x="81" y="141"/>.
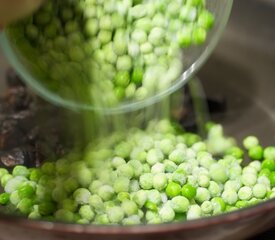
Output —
<point x="124" y="107"/>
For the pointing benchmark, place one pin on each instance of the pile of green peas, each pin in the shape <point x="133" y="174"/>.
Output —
<point x="157" y="175"/>
<point x="126" y="49"/>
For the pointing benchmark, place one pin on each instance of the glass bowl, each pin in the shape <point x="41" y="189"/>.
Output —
<point x="80" y="95"/>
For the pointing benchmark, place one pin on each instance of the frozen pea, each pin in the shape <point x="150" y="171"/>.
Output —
<point x="125" y="170"/>
<point x="205" y="159"/>
<point x="218" y="173"/>
<point x="256" y="165"/>
<point x="245" y="193"/>
<point x="132" y="220"/>
<point x="95" y="185"/>
<point x="180" y="204"/>
<point x="249" y="179"/>
<point x="156" y="36"/>
<point x="214" y="189"/>
<point x="117" y="20"/>
<point x="202" y="195"/>
<point x="139" y="36"/>
<point x="138" y="154"/>
<point x="203" y="180"/>
<point x="140" y="197"/>
<point x="230" y="196"/>
<point x="119" y="46"/>
<point x="207" y="207"/>
<point x="218" y="205"/>
<point x="76" y="54"/>
<point x="158" y="168"/>
<point x="269" y="153"/>
<point x="118" y="161"/>
<point x="159" y="20"/>
<point x="146" y="181"/>
<point x="166" y="146"/>
<point x="59" y="194"/>
<point x="63" y="215"/>
<point x="235" y="172"/>
<point x="160" y="181"/>
<point x="122" y="196"/>
<point x="192" y="180"/>
<point x="25" y="206"/>
<point x="121" y="184"/>
<point x="133" y="49"/>
<point x="3" y="172"/>
<point x="153" y="196"/>
<point x="151" y="215"/>
<point x="264" y="180"/>
<point x="115" y="214"/>
<point x="154" y="156"/>
<point x="179" y="177"/>
<point x="186" y="166"/>
<point x="129" y="207"/>
<point x="138" y="11"/>
<point x="102" y="219"/>
<point x="199" y="146"/>
<point x="177" y="156"/>
<point x="14" y="183"/>
<point x="86" y="212"/>
<point x="105" y="22"/>
<point x="146" y="48"/>
<point x="84" y="177"/>
<point x="21" y="171"/>
<point x="170" y="166"/>
<point x="146" y="168"/>
<point x="259" y="190"/>
<point x="137" y="167"/>
<point x="106" y="192"/>
<point x="14" y="198"/>
<point x="124" y="63"/>
<point x="69" y="204"/>
<point x="166" y="214"/>
<point x="34" y="215"/>
<point x="194" y="212"/>
<point x="233" y="184"/>
<point x="249" y="169"/>
<point x="81" y="196"/>
<point x="250" y="141"/>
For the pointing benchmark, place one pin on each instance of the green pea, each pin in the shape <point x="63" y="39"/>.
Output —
<point x="46" y="208"/>
<point x="173" y="189"/>
<point x="272" y="179"/>
<point x="91" y="27"/>
<point x="199" y="36"/>
<point x="206" y="19"/>
<point x="26" y="191"/>
<point x="64" y="215"/>
<point x="268" y="164"/>
<point x="235" y="152"/>
<point x="25" y="206"/>
<point x="122" y="78"/>
<point x="256" y="152"/>
<point x="189" y="191"/>
<point x="4" y="198"/>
